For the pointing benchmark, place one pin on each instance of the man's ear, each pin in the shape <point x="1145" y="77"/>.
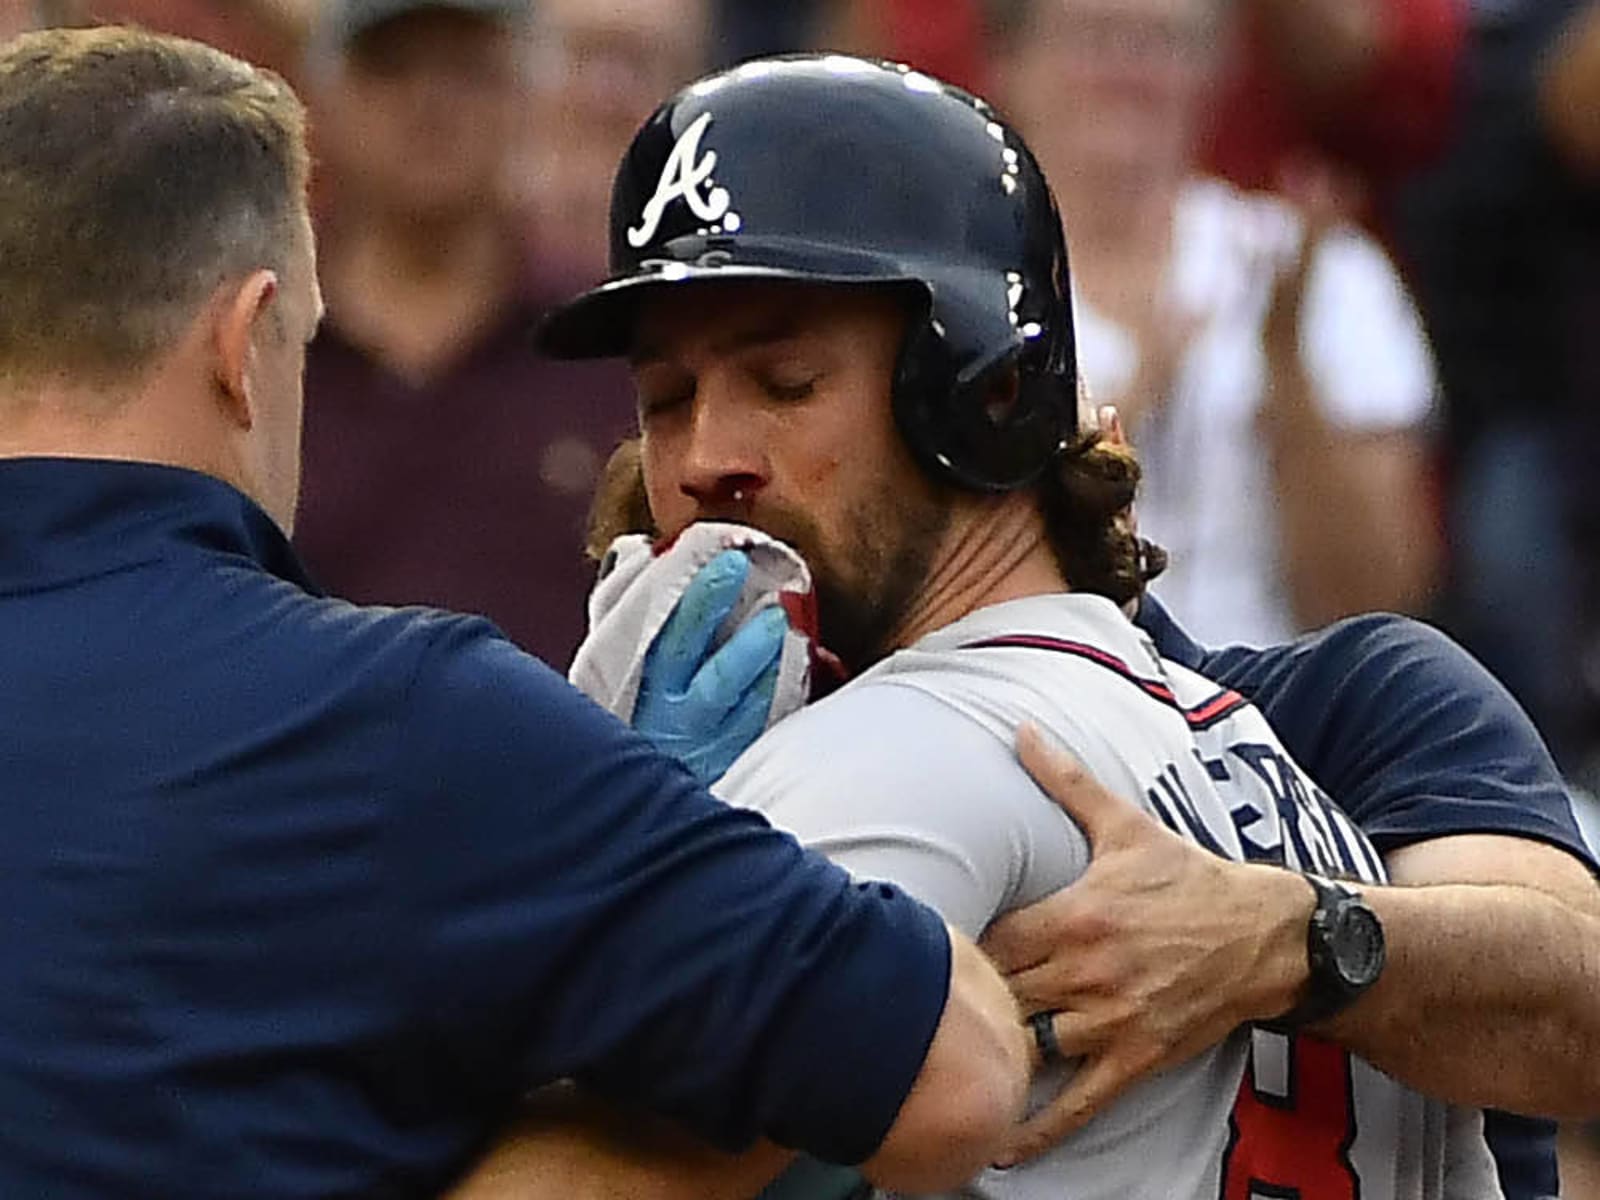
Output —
<point x="236" y="319"/>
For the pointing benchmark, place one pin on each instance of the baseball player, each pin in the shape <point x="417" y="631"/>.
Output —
<point x="886" y="381"/>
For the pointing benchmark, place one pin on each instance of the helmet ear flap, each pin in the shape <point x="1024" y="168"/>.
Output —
<point x="995" y="431"/>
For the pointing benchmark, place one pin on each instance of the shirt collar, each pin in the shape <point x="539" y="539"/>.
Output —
<point x="1170" y="638"/>
<point x="67" y="519"/>
<point x="1077" y="615"/>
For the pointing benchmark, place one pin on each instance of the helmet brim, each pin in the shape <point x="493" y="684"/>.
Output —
<point x="600" y="322"/>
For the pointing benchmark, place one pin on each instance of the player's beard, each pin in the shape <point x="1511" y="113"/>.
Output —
<point x="866" y="582"/>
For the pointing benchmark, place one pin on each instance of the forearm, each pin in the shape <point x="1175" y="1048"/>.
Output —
<point x="971" y="1090"/>
<point x="1354" y="528"/>
<point x="568" y="1147"/>
<point x="1487" y="999"/>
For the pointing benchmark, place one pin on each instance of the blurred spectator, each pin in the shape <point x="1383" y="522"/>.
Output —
<point x="1365" y="86"/>
<point x="17" y="16"/>
<point x="944" y="37"/>
<point x="271" y="33"/>
<point x="445" y="463"/>
<point x="1503" y="241"/>
<point x="598" y="70"/>
<point x="1271" y="370"/>
<point x="758" y="28"/>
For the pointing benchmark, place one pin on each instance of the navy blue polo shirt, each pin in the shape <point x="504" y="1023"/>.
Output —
<point x="1416" y="740"/>
<point x="297" y="898"/>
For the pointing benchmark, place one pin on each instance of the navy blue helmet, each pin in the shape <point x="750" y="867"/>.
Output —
<point x="838" y="170"/>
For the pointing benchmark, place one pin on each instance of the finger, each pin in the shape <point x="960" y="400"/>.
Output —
<point x="1042" y="985"/>
<point x="1098" y="1082"/>
<point x="685" y="639"/>
<point x="749" y="719"/>
<point x="1077" y="1035"/>
<point x="1025" y="937"/>
<point x="728" y="675"/>
<point x="1097" y="811"/>
<point x="1080" y="1034"/>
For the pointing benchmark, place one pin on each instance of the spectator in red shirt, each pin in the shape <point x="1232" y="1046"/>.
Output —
<point x="1366" y="86"/>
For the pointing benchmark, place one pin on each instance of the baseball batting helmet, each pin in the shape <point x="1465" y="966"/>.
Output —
<point x="829" y="169"/>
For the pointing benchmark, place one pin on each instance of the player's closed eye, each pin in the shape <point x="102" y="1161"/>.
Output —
<point x="789" y="392"/>
<point x="661" y="400"/>
<point x="786" y="382"/>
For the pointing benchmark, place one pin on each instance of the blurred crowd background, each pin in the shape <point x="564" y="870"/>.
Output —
<point x="1337" y="262"/>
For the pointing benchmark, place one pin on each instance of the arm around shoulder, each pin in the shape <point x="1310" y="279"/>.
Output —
<point x="1494" y="965"/>
<point x="681" y="955"/>
<point x="969" y="1095"/>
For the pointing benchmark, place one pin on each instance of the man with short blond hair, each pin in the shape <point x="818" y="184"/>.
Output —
<point x="301" y="898"/>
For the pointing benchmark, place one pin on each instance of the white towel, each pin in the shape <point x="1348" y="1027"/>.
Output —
<point x="640" y="583"/>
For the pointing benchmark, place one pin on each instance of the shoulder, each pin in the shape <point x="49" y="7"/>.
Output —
<point x="1407" y="731"/>
<point x="894" y="780"/>
<point x="886" y="738"/>
<point x="1373" y="652"/>
<point x="460" y="700"/>
<point x="384" y="651"/>
<point x="903" y="705"/>
<point x="1376" y="671"/>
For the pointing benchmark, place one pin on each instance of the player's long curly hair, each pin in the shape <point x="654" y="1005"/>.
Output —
<point x="1087" y="503"/>
<point x="620" y="503"/>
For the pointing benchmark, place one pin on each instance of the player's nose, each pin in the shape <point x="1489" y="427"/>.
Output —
<point x="725" y="464"/>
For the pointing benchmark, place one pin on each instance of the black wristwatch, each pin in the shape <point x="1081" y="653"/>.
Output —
<point x="1344" y="951"/>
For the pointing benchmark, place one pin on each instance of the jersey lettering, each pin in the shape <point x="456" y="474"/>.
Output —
<point x="1293" y="1123"/>
<point x="1169" y="798"/>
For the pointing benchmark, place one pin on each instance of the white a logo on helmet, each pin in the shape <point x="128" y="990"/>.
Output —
<point x="685" y="174"/>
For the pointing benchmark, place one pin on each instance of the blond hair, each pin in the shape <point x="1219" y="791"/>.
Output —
<point x="137" y="173"/>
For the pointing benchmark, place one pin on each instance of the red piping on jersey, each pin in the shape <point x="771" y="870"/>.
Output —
<point x="1201" y="716"/>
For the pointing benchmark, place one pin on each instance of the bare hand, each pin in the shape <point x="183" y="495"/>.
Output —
<point x="1158" y="952"/>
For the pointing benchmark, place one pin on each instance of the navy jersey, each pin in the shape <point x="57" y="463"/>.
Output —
<point x="297" y="898"/>
<point x="1415" y="740"/>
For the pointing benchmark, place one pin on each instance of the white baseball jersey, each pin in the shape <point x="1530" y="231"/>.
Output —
<point x="908" y="774"/>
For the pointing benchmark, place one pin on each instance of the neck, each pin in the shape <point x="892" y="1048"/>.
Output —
<point x="415" y="294"/>
<point x="996" y="550"/>
<point x="412" y="253"/>
<point x="1121" y="214"/>
<point x="155" y="421"/>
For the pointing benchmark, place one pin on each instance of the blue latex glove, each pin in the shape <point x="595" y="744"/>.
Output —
<point x="704" y="709"/>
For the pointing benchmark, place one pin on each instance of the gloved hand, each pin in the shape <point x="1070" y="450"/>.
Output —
<point x="702" y="708"/>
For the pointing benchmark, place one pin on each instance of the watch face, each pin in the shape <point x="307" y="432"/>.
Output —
<point x="1356" y="943"/>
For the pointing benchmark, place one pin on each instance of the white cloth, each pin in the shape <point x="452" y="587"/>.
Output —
<point x="1208" y="495"/>
<point x="908" y="774"/>
<point x="640" y="585"/>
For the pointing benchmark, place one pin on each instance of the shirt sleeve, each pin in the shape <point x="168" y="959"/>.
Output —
<point x="576" y="906"/>
<point x="1407" y="732"/>
<point x="1363" y="341"/>
<point x="892" y="783"/>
